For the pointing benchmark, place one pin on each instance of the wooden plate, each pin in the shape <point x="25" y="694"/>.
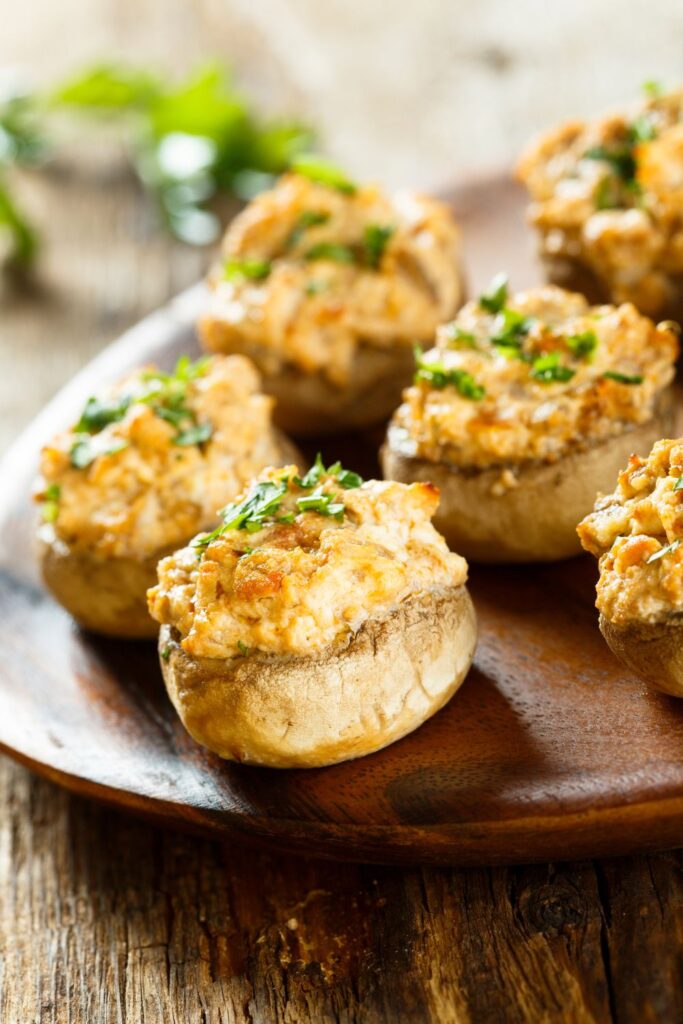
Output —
<point x="549" y="751"/>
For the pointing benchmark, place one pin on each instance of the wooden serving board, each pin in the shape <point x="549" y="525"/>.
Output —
<point x="549" y="751"/>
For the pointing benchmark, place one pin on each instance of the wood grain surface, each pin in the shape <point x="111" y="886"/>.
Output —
<point x="105" y="918"/>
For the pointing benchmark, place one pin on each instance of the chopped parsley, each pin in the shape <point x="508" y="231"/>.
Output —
<point x="641" y="130"/>
<point x="49" y="508"/>
<point x="99" y="413"/>
<point x="322" y="503"/>
<point x="246" y="270"/>
<point x="316" y="287"/>
<point x="620" y="158"/>
<point x="375" y="240"/>
<point x="330" y="251"/>
<point x="306" y="219"/>
<point x="664" y="551"/>
<point x="583" y="344"/>
<point x="652" y="89"/>
<point x="549" y="370"/>
<point x="458" y="338"/>
<point x="84" y="450"/>
<point x="497" y="295"/>
<point x="623" y="378"/>
<point x="438" y="377"/>
<point x="242" y="648"/>
<point x="510" y="330"/>
<point x="678" y="486"/>
<point x="197" y="434"/>
<point x="346" y="478"/>
<point x="323" y="172"/>
<point x="166" y="652"/>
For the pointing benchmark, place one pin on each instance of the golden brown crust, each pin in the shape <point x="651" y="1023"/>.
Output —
<point x="533" y="516"/>
<point x="306" y="712"/>
<point x="652" y="650"/>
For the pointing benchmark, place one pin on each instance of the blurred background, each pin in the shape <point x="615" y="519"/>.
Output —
<point x="408" y="93"/>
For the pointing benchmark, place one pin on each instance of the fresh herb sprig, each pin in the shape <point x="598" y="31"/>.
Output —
<point x="438" y="376"/>
<point x="49" y="509"/>
<point x="667" y="550"/>
<point x="496" y="297"/>
<point x="549" y="370"/>
<point x="623" y="378"/>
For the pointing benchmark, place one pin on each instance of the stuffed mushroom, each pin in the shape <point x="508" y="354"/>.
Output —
<point x="523" y="411"/>
<point x="324" y="619"/>
<point x="606" y="200"/>
<point x="146" y="466"/>
<point x="637" y="534"/>
<point x="326" y="285"/>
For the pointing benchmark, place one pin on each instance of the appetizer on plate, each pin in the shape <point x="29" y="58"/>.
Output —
<point x="637" y="533"/>
<point x="327" y="285"/>
<point x="324" y="619"/>
<point x="606" y="200"/>
<point x="145" y="467"/>
<point x="524" y="410"/>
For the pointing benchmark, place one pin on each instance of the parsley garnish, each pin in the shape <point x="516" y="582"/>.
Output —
<point x="346" y="478"/>
<point x="623" y="378"/>
<point x="252" y="514"/>
<point x="375" y="240"/>
<point x="458" y="338"/>
<point x="49" y="509"/>
<point x="246" y="270"/>
<point x="166" y="652"/>
<point x="664" y="551"/>
<point x="678" y="486"/>
<point x="242" y="648"/>
<point x="98" y="414"/>
<point x="307" y="219"/>
<point x="330" y="251"/>
<point x="322" y="503"/>
<point x="510" y="330"/>
<point x="83" y="451"/>
<point x="495" y="298"/>
<point x="549" y="370"/>
<point x="620" y="158"/>
<point x="583" y="344"/>
<point x="323" y="172"/>
<point x="438" y="377"/>
<point x="197" y="434"/>
<point x="652" y="89"/>
<point x="315" y="287"/>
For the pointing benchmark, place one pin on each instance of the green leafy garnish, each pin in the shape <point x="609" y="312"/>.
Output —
<point x="664" y="551"/>
<point x="623" y="378"/>
<point x="652" y="89"/>
<point x="49" y="508"/>
<point x="197" y="434"/>
<point x="246" y="270"/>
<point x="607" y="194"/>
<point x="620" y="158"/>
<point x="641" y="130"/>
<point x="99" y="413"/>
<point x="316" y="287"/>
<point x="330" y="251"/>
<point x="323" y="172"/>
<point x="242" y="648"/>
<point x="510" y="330"/>
<point x="678" y="486"/>
<point x="583" y="344"/>
<point x="458" y="338"/>
<point x="307" y="219"/>
<point x="166" y="652"/>
<point x="346" y="478"/>
<point x="497" y="295"/>
<point x="375" y="241"/>
<point x="549" y="370"/>
<point x="84" y="450"/>
<point x="322" y="503"/>
<point x="438" y="377"/>
<point x="251" y="514"/>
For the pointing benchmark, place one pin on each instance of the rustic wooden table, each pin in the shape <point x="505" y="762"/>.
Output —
<point x="106" y="918"/>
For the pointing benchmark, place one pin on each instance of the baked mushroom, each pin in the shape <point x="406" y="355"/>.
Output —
<point x="637" y="534"/>
<point x="606" y="200"/>
<point x="524" y="410"/>
<point x="326" y="285"/>
<point x="324" y="619"/>
<point x="146" y="466"/>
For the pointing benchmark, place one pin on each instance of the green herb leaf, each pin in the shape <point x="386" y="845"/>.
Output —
<point x="346" y="478"/>
<point x="497" y="295"/>
<point x="316" y="287"/>
<point x="438" y="377"/>
<point x="458" y="338"/>
<point x="83" y="451"/>
<point x="549" y="370"/>
<point x="197" y="434"/>
<point x="623" y="378"/>
<point x="323" y="172"/>
<point x="678" y="486"/>
<point x="583" y="344"/>
<point x="109" y="87"/>
<point x="510" y="329"/>
<point x="307" y="219"/>
<point x="664" y="551"/>
<point x="607" y="194"/>
<point x="322" y="503"/>
<point x="246" y="270"/>
<point x="349" y="480"/>
<point x="166" y="652"/>
<point x="242" y="648"/>
<point x="652" y="89"/>
<point x="23" y="243"/>
<point x="49" y="508"/>
<point x="330" y="251"/>
<point x="620" y="158"/>
<point x="641" y="130"/>
<point x="375" y="241"/>
<point x="99" y="413"/>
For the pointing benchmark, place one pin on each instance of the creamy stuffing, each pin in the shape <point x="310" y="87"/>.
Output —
<point x="325" y="553"/>
<point x="532" y="376"/>
<point x="608" y="194"/>
<point x="637" y="533"/>
<point x="153" y="458"/>
<point x="311" y="271"/>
